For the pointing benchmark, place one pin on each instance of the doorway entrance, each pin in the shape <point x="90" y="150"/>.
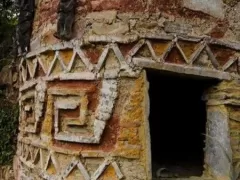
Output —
<point x="177" y="124"/>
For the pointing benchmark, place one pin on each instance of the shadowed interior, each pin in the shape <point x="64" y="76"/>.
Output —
<point x="177" y="124"/>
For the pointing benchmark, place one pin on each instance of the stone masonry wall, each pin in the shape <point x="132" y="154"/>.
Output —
<point x="83" y="103"/>
<point x="223" y="106"/>
<point x="196" y="18"/>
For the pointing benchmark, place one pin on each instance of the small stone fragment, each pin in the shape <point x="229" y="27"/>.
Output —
<point x="173" y="27"/>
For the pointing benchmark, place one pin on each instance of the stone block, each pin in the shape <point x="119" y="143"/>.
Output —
<point x="218" y="147"/>
<point x="173" y="27"/>
<point x="128" y="152"/>
<point x="212" y="7"/>
<point x="106" y="29"/>
<point x="104" y="16"/>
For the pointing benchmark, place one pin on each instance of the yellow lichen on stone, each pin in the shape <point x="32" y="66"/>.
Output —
<point x="47" y="122"/>
<point x="109" y="174"/>
<point x="226" y="92"/>
<point x="51" y="169"/>
<point x="234" y="125"/>
<point x="188" y="48"/>
<point x="160" y="47"/>
<point x="57" y="68"/>
<point x="144" y="130"/>
<point x="47" y="58"/>
<point x="129" y="134"/>
<point x="131" y="118"/>
<point x="75" y="174"/>
<point x="66" y="56"/>
<point x="132" y="113"/>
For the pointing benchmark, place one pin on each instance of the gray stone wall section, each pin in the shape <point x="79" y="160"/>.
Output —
<point x="218" y="147"/>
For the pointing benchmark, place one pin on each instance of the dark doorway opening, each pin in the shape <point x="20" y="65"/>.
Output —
<point x="177" y="124"/>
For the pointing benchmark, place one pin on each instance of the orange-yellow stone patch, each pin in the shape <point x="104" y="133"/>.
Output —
<point x="66" y="56"/>
<point x="47" y="58"/>
<point x="47" y="123"/>
<point x="160" y="47"/>
<point x="75" y="175"/>
<point x="109" y="174"/>
<point x="128" y="151"/>
<point x="129" y="134"/>
<point x="132" y="115"/>
<point x="51" y="169"/>
<point x="188" y="47"/>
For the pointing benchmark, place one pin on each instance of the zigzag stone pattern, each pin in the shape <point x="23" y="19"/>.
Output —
<point x="50" y="168"/>
<point x="195" y="55"/>
<point x="31" y="105"/>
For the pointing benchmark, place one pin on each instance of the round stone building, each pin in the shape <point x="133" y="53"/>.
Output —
<point x="129" y="90"/>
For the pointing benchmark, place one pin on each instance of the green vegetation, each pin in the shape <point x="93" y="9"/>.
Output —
<point x="8" y="131"/>
<point x="8" y="111"/>
<point x="8" y="22"/>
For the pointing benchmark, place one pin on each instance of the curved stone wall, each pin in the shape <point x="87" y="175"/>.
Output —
<point x="83" y="102"/>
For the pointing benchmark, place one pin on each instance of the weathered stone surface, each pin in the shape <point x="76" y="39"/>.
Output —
<point x="233" y="18"/>
<point x="133" y="170"/>
<point x="113" y="29"/>
<point x="6" y="173"/>
<point x="231" y="2"/>
<point x="103" y="17"/>
<point x="218" y="147"/>
<point x="6" y="77"/>
<point x="172" y="27"/>
<point x="211" y="7"/>
<point x="224" y="93"/>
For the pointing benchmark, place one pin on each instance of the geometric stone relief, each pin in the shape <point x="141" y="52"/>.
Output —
<point x="51" y="167"/>
<point x="23" y="70"/>
<point x="63" y="125"/>
<point x="167" y="52"/>
<point x="186" y="54"/>
<point x="32" y="67"/>
<point x="76" y="66"/>
<point x="75" y="163"/>
<point x="31" y="156"/>
<point x="83" y="126"/>
<point x="67" y="67"/>
<point x="104" y="166"/>
<point x="32" y="103"/>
